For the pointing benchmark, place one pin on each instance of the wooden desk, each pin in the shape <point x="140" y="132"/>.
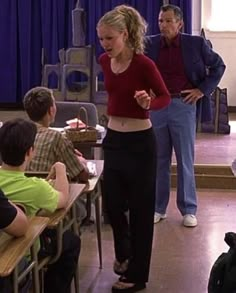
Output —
<point x="63" y="220"/>
<point x="91" y="144"/>
<point x="12" y="251"/>
<point x="55" y="218"/>
<point x="92" y="184"/>
<point x="90" y="149"/>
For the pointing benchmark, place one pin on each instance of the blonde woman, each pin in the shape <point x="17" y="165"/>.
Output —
<point x="129" y="145"/>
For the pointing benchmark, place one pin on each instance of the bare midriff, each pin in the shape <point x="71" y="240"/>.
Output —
<point x="124" y="124"/>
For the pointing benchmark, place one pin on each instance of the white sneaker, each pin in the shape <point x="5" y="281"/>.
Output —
<point x="189" y="220"/>
<point x="158" y="217"/>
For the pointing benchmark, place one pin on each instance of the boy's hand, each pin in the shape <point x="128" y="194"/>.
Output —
<point x="57" y="167"/>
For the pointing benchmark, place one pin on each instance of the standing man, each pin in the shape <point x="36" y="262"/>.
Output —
<point x="191" y="71"/>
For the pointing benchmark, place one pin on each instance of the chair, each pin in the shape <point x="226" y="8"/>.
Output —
<point x="70" y="110"/>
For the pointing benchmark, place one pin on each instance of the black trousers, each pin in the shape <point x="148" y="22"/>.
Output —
<point x="129" y="185"/>
<point x="59" y="275"/>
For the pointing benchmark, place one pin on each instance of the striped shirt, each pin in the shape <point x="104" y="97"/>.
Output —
<point x="50" y="147"/>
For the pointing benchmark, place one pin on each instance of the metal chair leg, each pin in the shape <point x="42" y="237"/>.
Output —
<point x="35" y="269"/>
<point x="98" y="225"/>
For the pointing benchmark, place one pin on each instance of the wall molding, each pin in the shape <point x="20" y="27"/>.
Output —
<point x="232" y="109"/>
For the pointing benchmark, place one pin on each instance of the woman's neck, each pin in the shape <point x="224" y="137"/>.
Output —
<point x="124" y="56"/>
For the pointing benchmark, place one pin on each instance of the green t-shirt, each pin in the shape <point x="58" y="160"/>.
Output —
<point x="33" y="193"/>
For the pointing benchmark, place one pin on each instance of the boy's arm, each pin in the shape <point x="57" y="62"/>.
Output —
<point x="19" y="225"/>
<point x="84" y="174"/>
<point x="73" y="159"/>
<point x="61" y="184"/>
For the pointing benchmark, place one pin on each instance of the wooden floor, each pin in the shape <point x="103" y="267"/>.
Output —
<point x="181" y="257"/>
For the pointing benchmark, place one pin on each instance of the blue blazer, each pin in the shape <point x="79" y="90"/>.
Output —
<point x="204" y="68"/>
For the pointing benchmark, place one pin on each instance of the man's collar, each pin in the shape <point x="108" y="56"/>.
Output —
<point x="40" y="125"/>
<point x="175" y="42"/>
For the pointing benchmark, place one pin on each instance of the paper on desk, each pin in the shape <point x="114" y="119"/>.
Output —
<point x="101" y="131"/>
<point x="92" y="168"/>
<point x="74" y="123"/>
<point x="100" y="128"/>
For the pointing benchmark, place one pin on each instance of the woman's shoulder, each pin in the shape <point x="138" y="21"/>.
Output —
<point x="103" y="58"/>
<point x="143" y="60"/>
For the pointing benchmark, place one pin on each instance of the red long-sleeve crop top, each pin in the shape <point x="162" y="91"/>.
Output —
<point x="142" y="74"/>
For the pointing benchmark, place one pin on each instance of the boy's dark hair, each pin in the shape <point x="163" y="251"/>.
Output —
<point x="37" y="102"/>
<point x="177" y="11"/>
<point x="16" y="138"/>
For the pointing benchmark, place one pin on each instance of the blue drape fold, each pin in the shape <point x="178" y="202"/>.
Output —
<point x="186" y="7"/>
<point x="26" y="27"/>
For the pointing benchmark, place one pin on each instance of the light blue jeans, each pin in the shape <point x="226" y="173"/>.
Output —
<point x="175" y="128"/>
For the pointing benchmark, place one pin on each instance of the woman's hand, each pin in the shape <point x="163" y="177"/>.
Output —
<point x="143" y="99"/>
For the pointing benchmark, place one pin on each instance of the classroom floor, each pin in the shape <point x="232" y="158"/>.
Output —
<point x="181" y="257"/>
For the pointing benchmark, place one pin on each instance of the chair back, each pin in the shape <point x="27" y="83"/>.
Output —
<point x="69" y="110"/>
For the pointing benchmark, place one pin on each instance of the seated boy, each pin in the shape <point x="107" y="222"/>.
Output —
<point x="16" y="148"/>
<point x="50" y="145"/>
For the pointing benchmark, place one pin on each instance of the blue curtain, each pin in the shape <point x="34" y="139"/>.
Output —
<point x="56" y="27"/>
<point x="8" y="53"/>
<point x="186" y="7"/>
<point x="27" y="26"/>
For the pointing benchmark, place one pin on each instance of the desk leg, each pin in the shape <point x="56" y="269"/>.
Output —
<point x="35" y="268"/>
<point x="98" y="224"/>
<point x="75" y="224"/>
<point x="76" y="231"/>
<point x="15" y="280"/>
<point x="87" y="220"/>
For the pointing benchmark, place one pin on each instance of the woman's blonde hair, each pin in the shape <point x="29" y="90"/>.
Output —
<point x="124" y="17"/>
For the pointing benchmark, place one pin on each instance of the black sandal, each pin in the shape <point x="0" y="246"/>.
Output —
<point x="120" y="267"/>
<point x="122" y="288"/>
